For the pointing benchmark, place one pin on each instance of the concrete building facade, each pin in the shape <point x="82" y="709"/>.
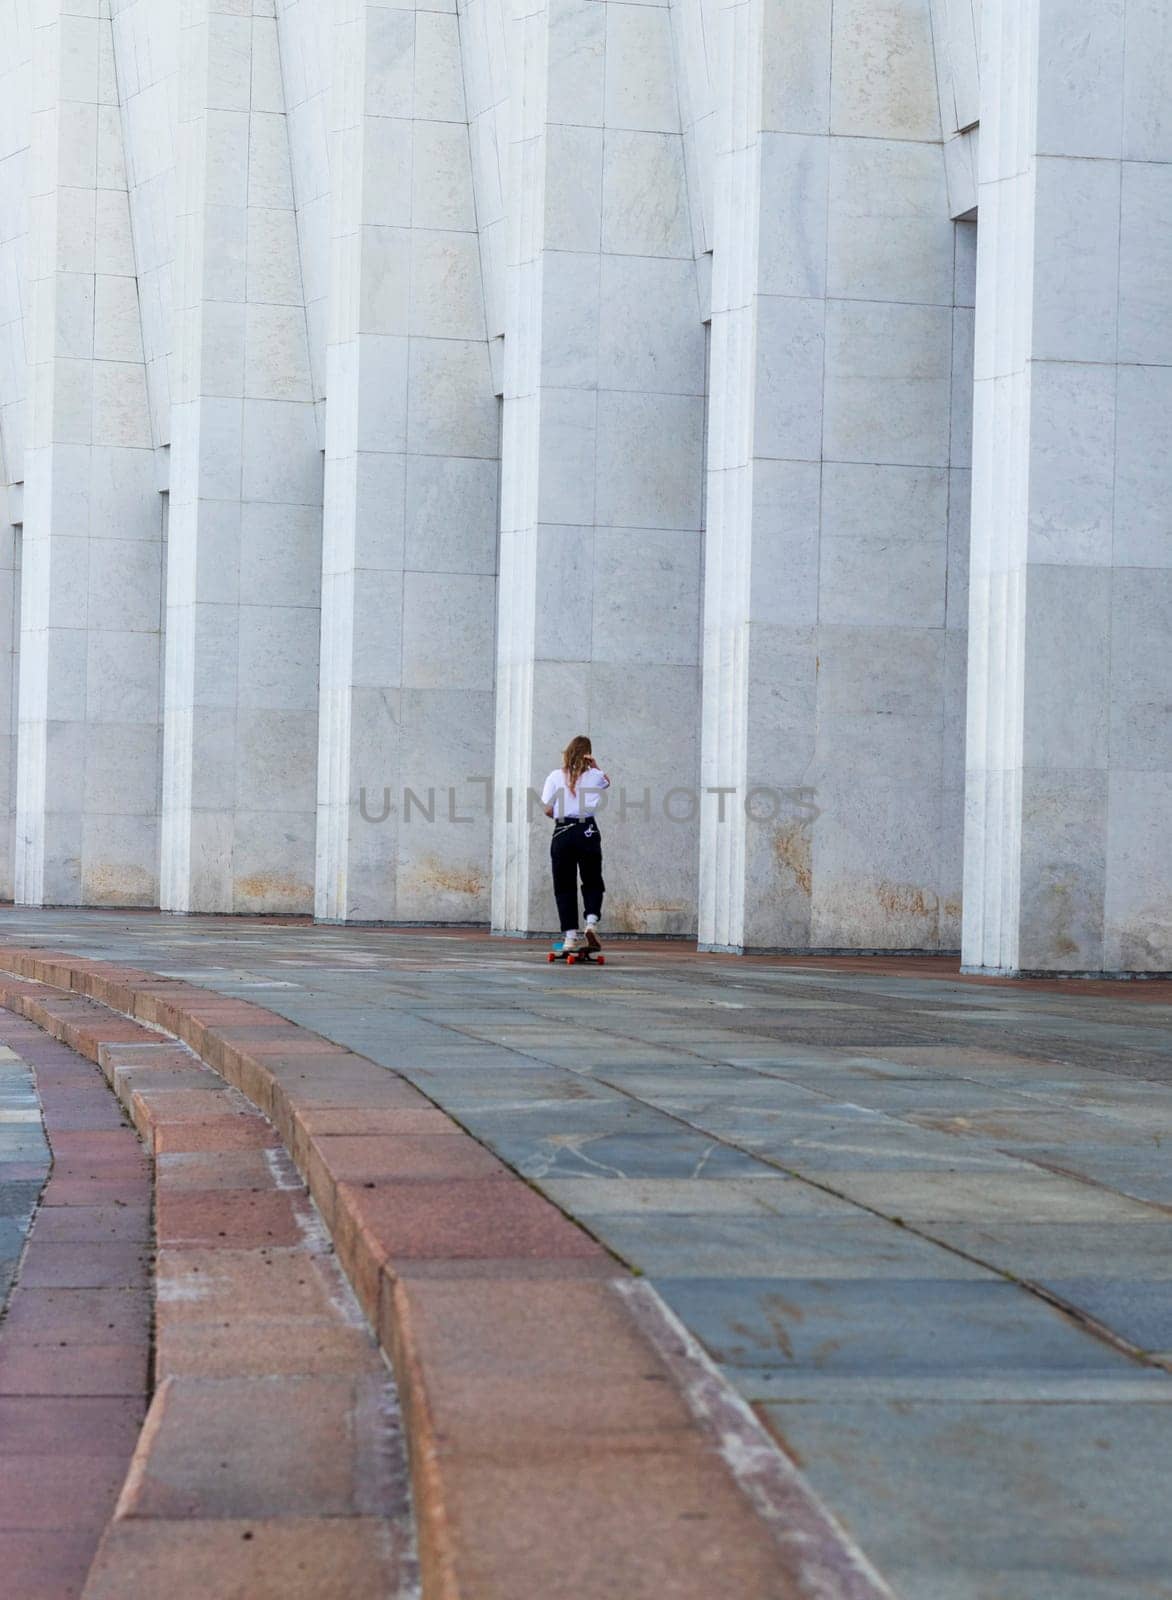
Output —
<point x="780" y="390"/>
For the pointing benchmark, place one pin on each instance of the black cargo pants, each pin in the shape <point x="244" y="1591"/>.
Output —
<point x="576" y="849"/>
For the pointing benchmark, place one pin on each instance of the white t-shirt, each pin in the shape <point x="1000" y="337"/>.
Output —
<point x="556" y="792"/>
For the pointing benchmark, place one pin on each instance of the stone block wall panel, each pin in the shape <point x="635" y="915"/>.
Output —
<point x="92" y="548"/>
<point x="604" y="414"/>
<point x="244" y="569"/>
<point x="1068" y="743"/>
<point x="412" y="449"/>
<point x="840" y="339"/>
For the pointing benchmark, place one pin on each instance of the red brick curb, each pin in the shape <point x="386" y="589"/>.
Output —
<point x="76" y="1337"/>
<point x="554" y="1454"/>
<point x="268" y="1440"/>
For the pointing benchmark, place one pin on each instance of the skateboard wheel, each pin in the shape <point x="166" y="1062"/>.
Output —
<point x="570" y="960"/>
<point x="601" y="960"/>
<point x="551" y="956"/>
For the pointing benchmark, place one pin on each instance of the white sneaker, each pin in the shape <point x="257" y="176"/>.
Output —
<point x="592" y="939"/>
<point x="573" y="941"/>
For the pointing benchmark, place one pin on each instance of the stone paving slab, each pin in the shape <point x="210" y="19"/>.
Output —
<point x="889" y="1328"/>
<point x="1140" y="1173"/>
<point x="304" y="1558"/>
<point x="1041" y="1250"/>
<point x="1004" y="1195"/>
<point x="1140" y="1311"/>
<point x="720" y="1247"/>
<point x="1028" y="1502"/>
<point x="566" y="1153"/>
<point x="761" y="1193"/>
<point x="18" y="1199"/>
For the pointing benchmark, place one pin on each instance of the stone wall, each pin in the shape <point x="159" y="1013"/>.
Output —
<point x="837" y="534"/>
<point x="389" y="392"/>
<point x="1069" y="739"/>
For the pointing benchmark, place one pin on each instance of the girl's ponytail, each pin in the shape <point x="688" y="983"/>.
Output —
<point x="577" y="758"/>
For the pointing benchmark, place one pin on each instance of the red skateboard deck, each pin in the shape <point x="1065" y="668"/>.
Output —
<point x="584" y="956"/>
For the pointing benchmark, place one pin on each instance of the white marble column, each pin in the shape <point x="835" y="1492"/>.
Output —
<point x="1069" y="802"/>
<point x="834" y="651"/>
<point x="87" y="779"/>
<point x="15" y="97"/>
<point x="602" y="457"/>
<point x="243" y="575"/>
<point x="412" y="443"/>
<point x="10" y="552"/>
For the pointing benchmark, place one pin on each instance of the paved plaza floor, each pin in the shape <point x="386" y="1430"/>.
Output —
<point x="923" y="1224"/>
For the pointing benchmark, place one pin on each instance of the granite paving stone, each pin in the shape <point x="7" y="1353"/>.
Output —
<point x="43" y="1371"/>
<point x="11" y="1238"/>
<point x="1093" y="1250"/>
<point x="94" y="1224"/>
<point x="838" y="1246"/>
<point x="1022" y="1502"/>
<point x="296" y="1558"/>
<point x="819" y="1142"/>
<point x="463" y="1219"/>
<point x="1141" y="1173"/>
<point x="1024" y="1195"/>
<point x="113" y="1264"/>
<point x="600" y="1118"/>
<point x="887" y="1328"/>
<point x="18" y="1199"/>
<point x="460" y="1090"/>
<point x="676" y="1154"/>
<point x="1140" y="1312"/>
<point x="763" y="1192"/>
<point x="81" y="1316"/>
<point x="298" y="1446"/>
<point x="685" y="1086"/>
<point x="75" y="1426"/>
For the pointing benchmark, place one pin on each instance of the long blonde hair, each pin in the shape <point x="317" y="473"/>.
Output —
<point x="577" y="758"/>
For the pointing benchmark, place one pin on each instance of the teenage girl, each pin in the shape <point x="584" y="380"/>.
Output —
<point x="571" y="796"/>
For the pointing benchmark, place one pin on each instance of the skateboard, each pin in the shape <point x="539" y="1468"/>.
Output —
<point x="586" y="956"/>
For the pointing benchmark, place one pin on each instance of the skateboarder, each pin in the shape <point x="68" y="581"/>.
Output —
<point x="571" y="796"/>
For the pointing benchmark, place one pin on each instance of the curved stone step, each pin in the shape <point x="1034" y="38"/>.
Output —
<point x="273" y="1439"/>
